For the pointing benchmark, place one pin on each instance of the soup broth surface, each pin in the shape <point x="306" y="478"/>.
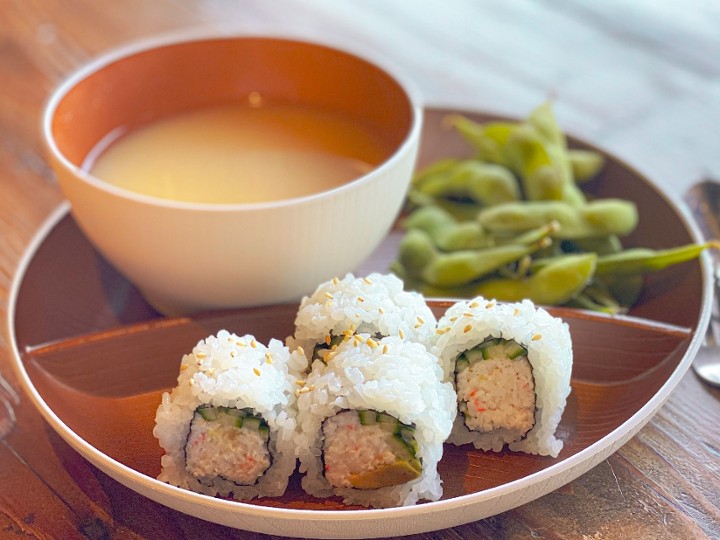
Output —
<point x="239" y="154"/>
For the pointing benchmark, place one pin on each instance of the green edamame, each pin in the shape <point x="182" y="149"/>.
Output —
<point x="585" y="164"/>
<point x="488" y="139"/>
<point x="513" y="223"/>
<point x="555" y="283"/>
<point x="470" y="180"/>
<point x="643" y="260"/>
<point x="597" y="218"/>
<point x="446" y="232"/>
<point x="421" y="260"/>
<point x="536" y="151"/>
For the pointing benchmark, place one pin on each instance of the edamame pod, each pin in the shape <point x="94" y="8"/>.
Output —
<point x="531" y="236"/>
<point x="535" y="150"/>
<point x="643" y="260"/>
<point x="472" y="181"/>
<point x="624" y="289"/>
<point x="415" y="253"/>
<point x="421" y="260"/>
<point x="585" y="164"/>
<point x="461" y="267"/>
<point x="446" y="232"/>
<point x="554" y="284"/>
<point x="602" y="245"/>
<point x="543" y="119"/>
<point x="597" y="218"/>
<point x="488" y="139"/>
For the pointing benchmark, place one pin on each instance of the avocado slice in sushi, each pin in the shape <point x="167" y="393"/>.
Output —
<point x="366" y="449"/>
<point x="496" y="388"/>
<point x="392" y="474"/>
<point x="229" y="443"/>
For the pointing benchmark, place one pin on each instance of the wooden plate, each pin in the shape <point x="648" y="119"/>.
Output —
<point x="95" y="358"/>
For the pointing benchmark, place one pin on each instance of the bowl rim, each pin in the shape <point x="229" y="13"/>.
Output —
<point x="408" y="145"/>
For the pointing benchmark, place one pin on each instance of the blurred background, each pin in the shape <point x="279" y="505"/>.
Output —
<point x="640" y="78"/>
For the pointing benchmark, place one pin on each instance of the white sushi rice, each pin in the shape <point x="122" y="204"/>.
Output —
<point x="238" y="372"/>
<point x="374" y="304"/>
<point x="547" y="340"/>
<point x="391" y="375"/>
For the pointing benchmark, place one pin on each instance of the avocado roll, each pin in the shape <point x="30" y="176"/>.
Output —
<point x="227" y="428"/>
<point x="373" y="415"/>
<point x="511" y="366"/>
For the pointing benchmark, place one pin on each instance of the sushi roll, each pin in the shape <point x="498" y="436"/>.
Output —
<point x="227" y="428"/>
<point x="511" y="367"/>
<point x="373" y="416"/>
<point x="374" y="304"/>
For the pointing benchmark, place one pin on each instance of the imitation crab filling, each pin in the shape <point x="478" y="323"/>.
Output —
<point x="228" y="443"/>
<point x="495" y="388"/>
<point x="365" y="449"/>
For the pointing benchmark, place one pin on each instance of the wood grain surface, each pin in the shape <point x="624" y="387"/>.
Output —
<point x="639" y="78"/>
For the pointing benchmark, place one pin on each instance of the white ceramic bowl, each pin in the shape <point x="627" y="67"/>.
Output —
<point x="188" y="257"/>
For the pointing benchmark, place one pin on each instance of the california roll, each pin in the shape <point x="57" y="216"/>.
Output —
<point x="228" y="426"/>
<point x="373" y="416"/>
<point x="511" y="366"/>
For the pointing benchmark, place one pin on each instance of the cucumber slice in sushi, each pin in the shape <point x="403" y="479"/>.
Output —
<point x="321" y="350"/>
<point x="228" y="443"/>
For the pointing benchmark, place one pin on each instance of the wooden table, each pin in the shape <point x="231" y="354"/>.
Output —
<point x="637" y="78"/>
